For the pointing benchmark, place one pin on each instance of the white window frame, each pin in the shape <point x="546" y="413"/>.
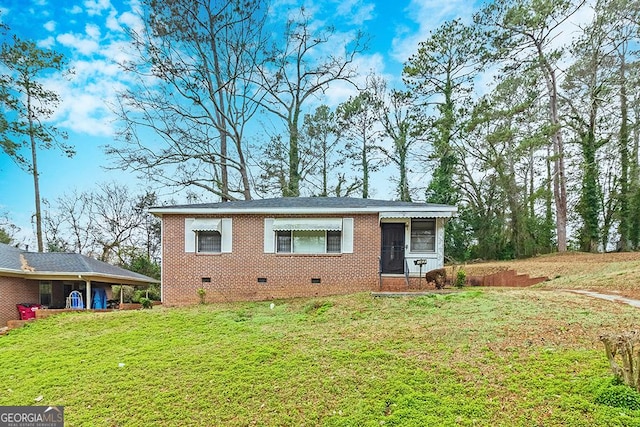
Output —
<point x="434" y="236"/>
<point x="346" y="236"/>
<point x="224" y="227"/>
<point x="324" y="234"/>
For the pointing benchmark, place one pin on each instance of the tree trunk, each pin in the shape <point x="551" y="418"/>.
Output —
<point x="36" y="178"/>
<point x="293" y="186"/>
<point x="634" y="190"/>
<point x="365" y="170"/>
<point x="559" y="177"/>
<point x="403" y="185"/>
<point x="624" y="160"/>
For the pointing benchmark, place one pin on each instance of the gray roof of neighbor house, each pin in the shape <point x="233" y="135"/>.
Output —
<point x="52" y="265"/>
<point x="308" y="205"/>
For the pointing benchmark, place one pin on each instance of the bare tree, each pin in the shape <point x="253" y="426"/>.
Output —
<point x="111" y="224"/>
<point x="359" y="126"/>
<point x="193" y="71"/>
<point x="294" y="73"/>
<point x="403" y="124"/>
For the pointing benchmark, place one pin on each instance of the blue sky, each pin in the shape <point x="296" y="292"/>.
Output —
<point x="90" y="34"/>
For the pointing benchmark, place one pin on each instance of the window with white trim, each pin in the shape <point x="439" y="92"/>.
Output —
<point x="308" y="235"/>
<point x="423" y="235"/>
<point x="308" y="241"/>
<point x="209" y="241"/>
<point x="208" y="235"/>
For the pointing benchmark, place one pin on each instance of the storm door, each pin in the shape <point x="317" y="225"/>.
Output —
<point x="392" y="256"/>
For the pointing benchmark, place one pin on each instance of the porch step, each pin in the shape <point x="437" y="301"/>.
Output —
<point x="398" y="283"/>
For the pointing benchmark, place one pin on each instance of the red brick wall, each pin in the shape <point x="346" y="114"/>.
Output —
<point x="15" y="290"/>
<point x="234" y="276"/>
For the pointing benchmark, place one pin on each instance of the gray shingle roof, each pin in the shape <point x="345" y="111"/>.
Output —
<point x="9" y="257"/>
<point x="308" y="203"/>
<point x="12" y="259"/>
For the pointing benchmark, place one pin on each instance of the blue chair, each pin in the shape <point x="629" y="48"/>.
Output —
<point x="74" y="300"/>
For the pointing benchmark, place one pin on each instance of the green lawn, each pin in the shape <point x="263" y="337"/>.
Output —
<point x="475" y="358"/>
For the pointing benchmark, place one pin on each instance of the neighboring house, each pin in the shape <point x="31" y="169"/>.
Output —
<point x="48" y="279"/>
<point x="295" y="247"/>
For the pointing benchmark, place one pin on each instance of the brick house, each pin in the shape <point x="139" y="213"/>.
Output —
<point x="295" y="247"/>
<point x="49" y="278"/>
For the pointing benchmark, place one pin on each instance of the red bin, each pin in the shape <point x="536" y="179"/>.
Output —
<point x="28" y="311"/>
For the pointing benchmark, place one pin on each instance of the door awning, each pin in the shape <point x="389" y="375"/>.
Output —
<point x="416" y="214"/>
<point x="307" y="224"/>
<point x="205" y="224"/>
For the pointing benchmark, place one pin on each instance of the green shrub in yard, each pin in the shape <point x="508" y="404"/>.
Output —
<point x="202" y="293"/>
<point x="146" y="302"/>
<point x="461" y="279"/>
<point x="619" y="396"/>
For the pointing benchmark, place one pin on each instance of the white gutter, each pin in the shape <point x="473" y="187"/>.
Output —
<point x="439" y="210"/>
<point x="55" y="275"/>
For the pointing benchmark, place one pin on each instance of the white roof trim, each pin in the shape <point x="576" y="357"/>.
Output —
<point x="307" y="224"/>
<point x="441" y="212"/>
<point x="416" y="214"/>
<point x="205" y="224"/>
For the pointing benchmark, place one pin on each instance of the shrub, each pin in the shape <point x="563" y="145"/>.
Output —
<point x="623" y="352"/>
<point x="202" y="293"/>
<point x="461" y="278"/>
<point x="619" y="396"/>
<point x="128" y="293"/>
<point x="146" y="302"/>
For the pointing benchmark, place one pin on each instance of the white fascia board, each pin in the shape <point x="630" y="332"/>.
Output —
<point x="444" y="211"/>
<point x="431" y="213"/>
<point x="69" y="275"/>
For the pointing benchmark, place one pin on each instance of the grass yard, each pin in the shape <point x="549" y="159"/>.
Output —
<point x="476" y="358"/>
<point x="617" y="272"/>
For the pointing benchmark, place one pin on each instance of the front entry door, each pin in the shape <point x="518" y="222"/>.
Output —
<point x="392" y="257"/>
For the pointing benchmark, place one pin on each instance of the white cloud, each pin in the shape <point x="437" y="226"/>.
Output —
<point x="357" y="11"/>
<point x="96" y="7"/>
<point x="112" y="21"/>
<point x="131" y="20"/>
<point x="93" y="31"/>
<point x="428" y="15"/>
<point x="47" y="43"/>
<point x="50" y="25"/>
<point x="82" y="45"/>
<point x="75" y="10"/>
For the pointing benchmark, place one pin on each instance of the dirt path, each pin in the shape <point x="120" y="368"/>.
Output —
<point x="608" y="297"/>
